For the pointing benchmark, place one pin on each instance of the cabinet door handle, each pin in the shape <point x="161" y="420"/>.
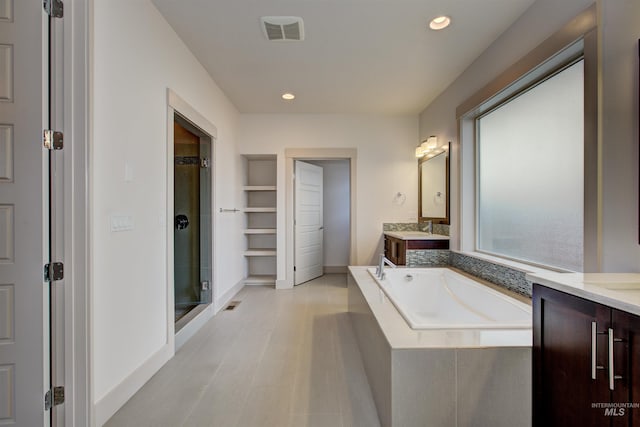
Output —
<point x="612" y="375"/>
<point x="594" y="336"/>
<point x="594" y="348"/>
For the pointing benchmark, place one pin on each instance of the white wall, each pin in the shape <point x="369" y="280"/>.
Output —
<point x="619" y="33"/>
<point x="136" y="57"/>
<point x="385" y="163"/>
<point x="541" y="20"/>
<point x="336" y="200"/>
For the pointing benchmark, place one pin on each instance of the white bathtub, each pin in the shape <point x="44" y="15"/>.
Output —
<point x="439" y="298"/>
<point x="460" y="370"/>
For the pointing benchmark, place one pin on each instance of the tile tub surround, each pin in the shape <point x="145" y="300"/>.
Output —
<point x="509" y="278"/>
<point x="427" y="257"/>
<point x="438" y="377"/>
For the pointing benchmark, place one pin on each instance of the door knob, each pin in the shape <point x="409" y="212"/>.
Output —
<point x="182" y="222"/>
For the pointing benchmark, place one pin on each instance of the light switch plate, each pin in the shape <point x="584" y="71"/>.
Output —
<point x="121" y="223"/>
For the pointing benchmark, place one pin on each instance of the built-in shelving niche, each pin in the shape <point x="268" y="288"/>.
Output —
<point x="260" y="213"/>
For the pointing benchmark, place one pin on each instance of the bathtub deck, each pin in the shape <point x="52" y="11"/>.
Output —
<point x="455" y="378"/>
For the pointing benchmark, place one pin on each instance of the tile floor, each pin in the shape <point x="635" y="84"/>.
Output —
<point x="281" y="358"/>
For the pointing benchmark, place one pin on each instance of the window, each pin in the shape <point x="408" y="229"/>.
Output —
<point x="530" y="174"/>
<point x="527" y="159"/>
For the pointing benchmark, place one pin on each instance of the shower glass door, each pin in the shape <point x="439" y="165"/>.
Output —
<point x="192" y="218"/>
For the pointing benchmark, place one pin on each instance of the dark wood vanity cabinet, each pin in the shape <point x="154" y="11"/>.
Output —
<point x="573" y="384"/>
<point x="395" y="250"/>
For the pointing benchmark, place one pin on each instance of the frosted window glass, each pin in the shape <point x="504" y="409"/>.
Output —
<point x="530" y="174"/>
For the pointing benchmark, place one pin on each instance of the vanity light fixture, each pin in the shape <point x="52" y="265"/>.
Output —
<point x="288" y="96"/>
<point x="427" y="147"/>
<point x="439" y="22"/>
<point x="430" y="143"/>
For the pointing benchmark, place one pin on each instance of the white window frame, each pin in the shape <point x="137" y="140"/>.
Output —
<point x="576" y="40"/>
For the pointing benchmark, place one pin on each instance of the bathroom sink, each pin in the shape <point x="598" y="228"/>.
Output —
<point x="415" y="235"/>
<point x="419" y="234"/>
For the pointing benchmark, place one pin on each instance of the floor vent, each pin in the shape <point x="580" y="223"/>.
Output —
<point x="232" y="305"/>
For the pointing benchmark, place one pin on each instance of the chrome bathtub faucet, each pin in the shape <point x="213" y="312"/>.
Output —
<point x="380" y="269"/>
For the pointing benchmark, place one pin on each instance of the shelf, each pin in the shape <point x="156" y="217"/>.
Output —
<point x="259" y="188"/>
<point x="260" y="252"/>
<point x="260" y="231"/>
<point x="261" y="279"/>
<point x="250" y="210"/>
<point x="260" y="194"/>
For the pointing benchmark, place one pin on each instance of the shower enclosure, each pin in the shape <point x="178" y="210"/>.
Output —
<point x="192" y="219"/>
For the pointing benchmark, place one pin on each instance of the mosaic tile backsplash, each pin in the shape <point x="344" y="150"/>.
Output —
<point x="399" y="226"/>
<point x="442" y="229"/>
<point x="500" y="275"/>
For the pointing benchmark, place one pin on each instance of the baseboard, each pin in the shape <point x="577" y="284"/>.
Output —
<point x="225" y="298"/>
<point x="190" y="329"/>
<point x="120" y="394"/>
<point x="332" y="269"/>
<point x="284" y="284"/>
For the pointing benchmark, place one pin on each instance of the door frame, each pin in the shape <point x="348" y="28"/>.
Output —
<point x="177" y="105"/>
<point x="205" y="142"/>
<point x="77" y="342"/>
<point x="290" y="155"/>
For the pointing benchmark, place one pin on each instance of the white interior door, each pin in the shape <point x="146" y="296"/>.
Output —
<point x="24" y="247"/>
<point x="308" y="222"/>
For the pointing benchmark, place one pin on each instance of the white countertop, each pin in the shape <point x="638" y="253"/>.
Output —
<point x="415" y="235"/>
<point x="400" y="335"/>
<point x="617" y="290"/>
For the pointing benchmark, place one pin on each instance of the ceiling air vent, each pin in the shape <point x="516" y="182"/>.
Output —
<point x="282" y="27"/>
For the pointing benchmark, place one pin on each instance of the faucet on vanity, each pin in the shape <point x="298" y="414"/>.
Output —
<point x="380" y="269"/>
<point x="429" y="228"/>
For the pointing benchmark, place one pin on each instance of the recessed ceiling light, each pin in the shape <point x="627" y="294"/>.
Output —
<point x="440" y="22"/>
<point x="288" y="96"/>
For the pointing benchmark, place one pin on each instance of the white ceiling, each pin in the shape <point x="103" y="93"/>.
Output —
<point x="358" y="56"/>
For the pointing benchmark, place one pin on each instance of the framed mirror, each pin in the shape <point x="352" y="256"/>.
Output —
<point x="433" y="188"/>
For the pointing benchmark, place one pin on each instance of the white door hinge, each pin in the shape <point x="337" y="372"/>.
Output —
<point x="53" y="140"/>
